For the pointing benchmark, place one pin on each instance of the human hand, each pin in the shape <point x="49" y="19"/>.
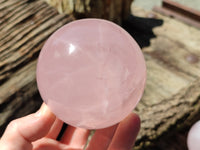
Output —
<point x="39" y="131"/>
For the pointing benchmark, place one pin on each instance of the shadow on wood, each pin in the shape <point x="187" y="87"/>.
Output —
<point x="141" y="28"/>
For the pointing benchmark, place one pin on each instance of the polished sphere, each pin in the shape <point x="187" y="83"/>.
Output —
<point x="91" y="73"/>
<point x="193" y="139"/>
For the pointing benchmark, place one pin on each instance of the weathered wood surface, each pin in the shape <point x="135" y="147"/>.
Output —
<point x="171" y="100"/>
<point x="172" y="94"/>
<point x="113" y="10"/>
<point x="24" y="26"/>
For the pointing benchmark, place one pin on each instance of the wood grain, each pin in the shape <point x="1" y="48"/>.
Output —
<point x="113" y="10"/>
<point x="24" y="27"/>
<point x="172" y="95"/>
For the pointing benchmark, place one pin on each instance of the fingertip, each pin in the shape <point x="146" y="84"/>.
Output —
<point x="44" y="111"/>
<point x="44" y="120"/>
<point x="130" y="125"/>
<point x="21" y="132"/>
<point x="33" y="126"/>
<point x="126" y="133"/>
<point x="135" y="120"/>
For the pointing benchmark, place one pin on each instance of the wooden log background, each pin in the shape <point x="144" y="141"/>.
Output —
<point x="171" y="102"/>
<point x="171" y="99"/>
<point x="24" y="26"/>
<point x="113" y="10"/>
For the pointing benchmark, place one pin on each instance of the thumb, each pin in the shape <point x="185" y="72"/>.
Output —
<point x="22" y="132"/>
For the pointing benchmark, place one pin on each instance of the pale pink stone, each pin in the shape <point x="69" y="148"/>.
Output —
<point x="193" y="139"/>
<point x="91" y="73"/>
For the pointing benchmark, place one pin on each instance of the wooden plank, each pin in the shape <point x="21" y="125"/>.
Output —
<point x="10" y="9"/>
<point x="113" y="10"/>
<point x="16" y="35"/>
<point x="22" y="41"/>
<point x="172" y="93"/>
<point x="22" y="79"/>
<point x="180" y="12"/>
<point x="6" y="4"/>
<point x="163" y="82"/>
<point x="24" y="27"/>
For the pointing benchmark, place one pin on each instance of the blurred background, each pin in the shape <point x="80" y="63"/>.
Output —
<point x="148" y="5"/>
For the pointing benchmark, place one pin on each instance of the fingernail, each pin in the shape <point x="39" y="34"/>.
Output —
<point x="44" y="110"/>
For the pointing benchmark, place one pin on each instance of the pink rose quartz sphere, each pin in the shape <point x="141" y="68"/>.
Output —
<point x="91" y="73"/>
<point x="193" y="140"/>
